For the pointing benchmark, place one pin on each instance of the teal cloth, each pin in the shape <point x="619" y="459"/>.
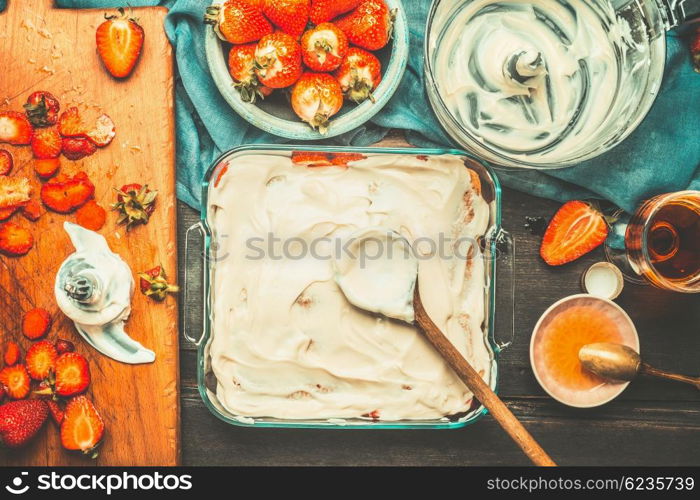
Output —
<point x="662" y="155"/>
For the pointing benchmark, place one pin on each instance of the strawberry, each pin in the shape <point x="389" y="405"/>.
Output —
<point x="311" y="158"/>
<point x="13" y="354"/>
<point x="32" y="210"/>
<point x="46" y="143"/>
<point x="359" y="75"/>
<point x="57" y="413"/>
<point x="14" y="191"/>
<point x="70" y="124"/>
<point x="36" y="323"/>
<point x="315" y="98"/>
<point x="278" y="60"/>
<point x="241" y="66"/>
<point x="2" y="392"/>
<point x="103" y="132"/>
<point x="41" y="359"/>
<point x="42" y="109"/>
<point x="119" y="41"/>
<point x="47" y="168"/>
<point x="91" y="216"/>
<point x="238" y="21"/>
<point x="65" y="194"/>
<point x="75" y="148"/>
<point x="63" y="345"/>
<point x="291" y="16"/>
<point x="15" y="128"/>
<point x="576" y="229"/>
<point x="82" y="427"/>
<point x="343" y="159"/>
<point x="154" y="284"/>
<point x="72" y="374"/>
<point x="324" y="47"/>
<point x="135" y="204"/>
<point x="6" y="213"/>
<point x="695" y="50"/>
<point x="16" y="381"/>
<point x="325" y="10"/>
<point x="15" y="240"/>
<point x="20" y="421"/>
<point x="6" y="162"/>
<point x="369" y="26"/>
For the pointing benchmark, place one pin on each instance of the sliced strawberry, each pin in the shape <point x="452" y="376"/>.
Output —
<point x="76" y="148"/>
<point x="311" y="158"/>
<point x="42" y="109"/>
<point x="82" y="427"/>
<point x="46" y="143"/>
<point x="14" y="191"/>
<point x="41" y="359"/>
<point x="70" y="124"/>
<point x="6" y="213"/>
<point x="103" y="132"/>
<point x="57" y="413"/>
<point x="47" y="168"/>
<point x="6" y="162"/>
<point x="91" y="216"/>
<point x="63" y="345"/>
<point x="119" y="41"/>
<point x="343" y="159"/>
<point x="36" y="323"/>
<point x="15" y="128"/>
<point x="72" y="374"/>
<point x="64" y="194"/>
<point x="16" y="381"/>
<point x="15" y="240"/>
<point x="576" y="229"/>
<point x="32" y="210"/>
<point x="13" y="354"/>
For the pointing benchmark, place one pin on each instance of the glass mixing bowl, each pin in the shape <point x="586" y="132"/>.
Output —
<point x="545" y="83"/>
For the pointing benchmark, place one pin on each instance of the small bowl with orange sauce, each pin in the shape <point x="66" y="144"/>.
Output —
<point x="561" y="331"/>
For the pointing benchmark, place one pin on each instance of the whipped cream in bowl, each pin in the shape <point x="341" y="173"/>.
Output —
<point x="541" y="83"/>
<point x="285" y="346"/>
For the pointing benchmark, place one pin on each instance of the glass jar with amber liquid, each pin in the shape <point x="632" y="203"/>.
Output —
<point x="662" y="241"/>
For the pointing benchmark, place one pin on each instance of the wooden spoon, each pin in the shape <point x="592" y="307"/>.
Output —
<point x="620" y="362"/>
<point x="499" y="411"/>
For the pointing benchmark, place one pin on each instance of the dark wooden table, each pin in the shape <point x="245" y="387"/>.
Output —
<point x="651" y="423"/>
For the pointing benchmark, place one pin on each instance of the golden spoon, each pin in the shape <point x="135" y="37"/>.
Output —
<point x="619" y="362"/>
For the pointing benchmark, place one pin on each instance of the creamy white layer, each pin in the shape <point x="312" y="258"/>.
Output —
<point x="286" y="343"/>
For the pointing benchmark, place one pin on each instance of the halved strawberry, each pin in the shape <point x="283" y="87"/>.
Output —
<point x="47" y="168"/>
<point x="57" y="413"/>
<point x="103" y="132"/>
<point x="6" y="162"/>
<point x="65" y="194"/>
<point x="91" y="216"/>
<point x="16" y="381"/>
<point x="119" y="41"/>
<point x="76" y="148"/>
<point x="32" y="210"/>
<point x="46" y="143"/>
<point x="82" y="427"/>
<point x="72" y="374"/>
<point x="15" y="128"/>
<point x="41" y="359"/>
<point x="576" y="229"/>
<point x="15" y="240"/>
<point x="12" y="353"/>
<point x="36" y="323"/>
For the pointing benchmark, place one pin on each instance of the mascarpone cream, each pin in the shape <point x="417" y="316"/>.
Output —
<point x="285" y="341"/>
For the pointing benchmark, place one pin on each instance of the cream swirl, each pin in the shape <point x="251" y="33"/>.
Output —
<point x="286" y="342"/>
<point x="540" y="80"/>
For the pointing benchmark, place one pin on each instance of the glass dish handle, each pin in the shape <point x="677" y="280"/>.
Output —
<point x="505" y="280"/>
<point x="199" y="228"/>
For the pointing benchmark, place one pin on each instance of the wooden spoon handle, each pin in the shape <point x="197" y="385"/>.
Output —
<point x="481" y="390"/>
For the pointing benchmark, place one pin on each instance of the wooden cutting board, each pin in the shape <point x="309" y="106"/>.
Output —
<point x="45" y="48"/>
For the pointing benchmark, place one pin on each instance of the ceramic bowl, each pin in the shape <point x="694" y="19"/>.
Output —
<point x="274" y="114"/>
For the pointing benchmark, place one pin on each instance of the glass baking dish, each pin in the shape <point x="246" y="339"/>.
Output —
<point x="497" y="246"/>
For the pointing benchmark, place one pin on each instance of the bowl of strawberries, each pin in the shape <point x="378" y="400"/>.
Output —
<point x="307" y="69"/>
